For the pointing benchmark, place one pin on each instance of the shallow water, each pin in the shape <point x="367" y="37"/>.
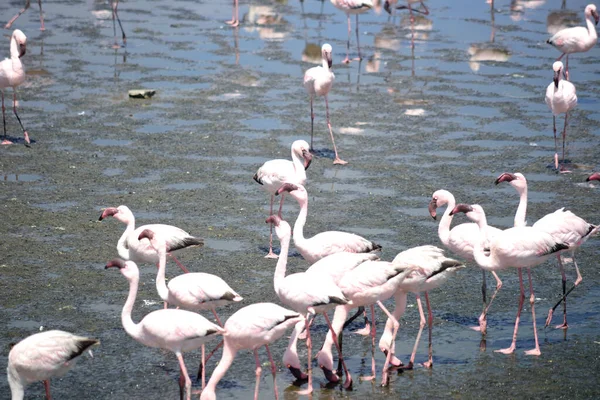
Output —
<point x="461" y="106"/>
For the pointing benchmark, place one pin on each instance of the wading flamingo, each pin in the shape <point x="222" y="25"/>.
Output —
<point x="519" y="247"/>
<point x="460" y="240"/>
<point x="21" y="11"/>
<point x="194" y="291"/>
<point x="274" y="173"/>
<point x="12" y="75"/>
<point x="317" y="82"/>
<point x="560" y="98"/>
<point x="170" y="329"/>
<point x="42" y="356"/>
<point x="354" y="7"/>
<point x="235" y="15"/>
<point x="562" y="224"/>
<point x="249" y="328"/>
<point x="577" y="39"/>
<point x="115" y="14"/>
<point x="131" y="248"/>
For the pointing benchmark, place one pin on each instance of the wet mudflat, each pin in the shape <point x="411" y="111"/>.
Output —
<point x="461" y="106"/>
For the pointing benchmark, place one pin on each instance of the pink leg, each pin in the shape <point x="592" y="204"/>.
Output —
<point x="385" y="372"/>
<point x="273" y="372"/>
<point x="42" y="28"/>
<point x="309" y="389"/>
<point x="509" y="350"/>
<point x="13" y="19"/>
<point x="235" y="21"/>
<point x="5" y="141"/>
<point x="271" y="254"/>
<point x="348" y="383"/>
<point x="357" y="39"/>
<point x="429" y="363"/>
<point x="184" y="373"/>
<point x="115" y="14"/>
<point x="373" y="333"/>
<point x="564" y="137"/>
<point x="47" y="387"/>
<point x="411" y="363"/>
<point x="19" y="119"/>
<point x="201" y="367"/>
<point x="567" y="68"/>
<point x="217" y="318"/>
<point x="366" y="331"/>
<point x="203" y="363"/>
<point x="400" y="301"/>
<point x="536" y="351"/>
<point x="347" y="59"/>
<point x="183" y="268"/>
<point x="312" y="123"/>
<point x="258" y="372"/>
<point x="337" y="160"/>
<point x="564" y="325"/>
<point x="483" y="316"/>
<point x="555" y="143"/>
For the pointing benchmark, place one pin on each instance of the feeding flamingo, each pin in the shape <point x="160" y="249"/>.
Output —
<point x="562" y="224"/>
<point x="353" y="7"/>
<point x="193" y="291"/>
<point x="21" y="11"/>
<point x="390" y="6"/>
<point x="560" y="98"/>
<point x="42" y="356"/>
<point x="274" y="173"/>
<point x="307" y="294"/>
<point x="519" y="247"/>
<point x="170" y="329"/>
<point x="249" y="328"/>
<point x="593" y="177"/>
<point x="577" y="39"/>
<point x="131" y="248"/>
<point x="324" y="243"/>
<point x="12" y="75"/>
<point x="461" y="240"/>
<point x="317" y="82"/>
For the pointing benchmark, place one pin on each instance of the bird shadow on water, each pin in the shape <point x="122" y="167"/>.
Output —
<point x="323" y="153"/>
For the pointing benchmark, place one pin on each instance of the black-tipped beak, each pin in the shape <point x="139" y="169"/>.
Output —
<point x="464" y="208"/>
<point x="307" y="158"/>
<point x="301" y="376"/>
<point x="596" y="17"/>
<point x="505" y="177"/>
<point x="330" y="375"/>
<point x="593" y="177"/>
<point x="329" y="60"/>
<point x="556" y="78"/>
<point x="286" y="187"/>
<point x="22" y="50"/>
<point x="433" y="208"/>
<point x="386" y="7"/>
<point x="146" y="234"/>
<point x="116" y="263"/>
<point x="273" y="219"/>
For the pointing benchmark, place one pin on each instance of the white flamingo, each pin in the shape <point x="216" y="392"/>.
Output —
<point x="352" y="7"/>
<point x="274" y="173"/>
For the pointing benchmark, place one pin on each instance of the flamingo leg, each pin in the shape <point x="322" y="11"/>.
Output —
<point x="184" y="373"/>
<point x="484" y="295"/>
<point x="337" y="159"/>
<point x="309" y="389"/>
<point x="411" y="363"/>
<point x="47" y="386"/>
<point x="312" y="123"/>
<point x="203" y="363"/>
<point x="181" y="266"/>
<point x="201" y="367"/>
<point x="385" y="372"/>
<point x="373" y="333"/>
<point x="17" y="115"/>
<point x="271" y="254"/>
<point x="429" y="363"/>
<point x="347" y="59"/>
<point x="235" y="21"/>
<point x="483" y="316"/>
<point x="511" y="349"/>
<point x="273" y="372"/>
<point x="564" y="137"/>
<point x="258" y="372"/>
<point x="5" y="141"/>
<point x="567" y="67"/>
<point x="400" y="302"/>
<point x="536" y="351"/>
<point x="357" y="39"/>
<point x="42" y="28"/>
<point x="555" y="143"/>
<point x="366" y="331"/>
<point x="564" y="325"/>
<point x="21" y="11"/>
<point x="115" y="14"/>
<point x="348" y="383"/>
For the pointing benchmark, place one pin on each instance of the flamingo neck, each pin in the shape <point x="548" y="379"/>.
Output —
<point x="14" y="50"/>
<point x="590" y="25"/>
<point x="325" y="64"/>
<point x="446" y="221"/>
<point x="299" y="167"/>
<point x="122" y="247"/>
<point x="131" y="327"/>
<point x="485" y="262"/>
<point x="208" y="393"/>
<point x="290" y="357"/>
<point x="161" y="283"/>
<point x="521" y="209"/>
<point x="17" y="389"/>
<point x="281" y="263"/>
<point x="299" y="239"/>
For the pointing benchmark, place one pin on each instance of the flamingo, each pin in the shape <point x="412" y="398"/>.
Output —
<point x="12" y="75"/>
<point x="461" y="240"/>
<point x="114" y="4"/>
<point x="317" y="82"/>
<point x="354" y="7"/>
<point x="21" y="11"/>
<point x="307" y="294"/>
<point x="235" y="15"/>
<point x="193" y="291"/>
<point x="593" y="177"/>
<point x="560" y="98"/>
<point x="324" y="243"/>
<point x="562" y="224"/>
<point x="170" y="329"/>
<point x="249" y="328"/>
<point x="42" y="356"/>
<point x="577" y="39"/>
<point x="274" y="173"/>
<point x="435" y="269"/>
<point x="519" y="247"/>
<point x="131" y="248"/>
<point x="388" y="6"/>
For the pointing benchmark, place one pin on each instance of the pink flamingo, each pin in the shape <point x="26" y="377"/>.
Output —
<point x="235" y="15"/>
<point x="12" y="75"/>
<point x="435" y="269"/>
<point x="577" y="39"/>
<point x="519" y="247"/>
<point x="593" y="177"/>
<point x="324" y="243"/>
<point x="560" y="98"/>
<point x="307" y="294"/>
<point x="42" y="356"/>
<point x="193" y="291"/>
<point x="131" y="248"/>
<point x="354" y="7"/>
<point x="170" y="329"/>
<point x="562" y="224"/>
<point x="249" y="328"/>
<point x="274" y="173"/>
<point x="317" y="82"/>
<point x="21" y="11"/>
<point x="461" y="240"/>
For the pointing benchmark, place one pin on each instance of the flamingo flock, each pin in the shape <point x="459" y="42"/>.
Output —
<point x="344" y="270"/>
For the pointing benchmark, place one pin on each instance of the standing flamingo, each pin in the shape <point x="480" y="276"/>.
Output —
<point x="593" y="177"/>
<point x="461" y="240"/>
<point x="317" y="82"/>
<point x="307" y="294"/>
<point x="170" y="329"/>
<point x="235" y="15"/>
<point x="560" y="98"/>
<point x="354" y="7"/>
<point x="274" y="173"/>
<point x="114" y="5"/>
<point x="519" y="247"/>
<point x="324" y="243"/>
<point x="249" y="328"/>
<point x="562" y="224"/>
<point x="42" y="356"/>
<point x="131" y="248"/>
<point x="12" y="75"/>
<point x="193" y="291"/>
<point x="577" y="39"/>
<point x="21" y="11"/>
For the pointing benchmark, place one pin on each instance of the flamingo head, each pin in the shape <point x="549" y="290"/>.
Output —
<point x="156" y="241"/>
<point x="593" y="177"/>
<point x="302" y="149"/>
<point x="129" y="269"/>
<point x="292" y="362"/>
<point x="326" y="50"/>
<point x="297" y="191"/>
<point x="516" y="180"/>
<point x="121" y="213"/>
<point x="438" y="199"/>
<point x="461" y="208"/>
<point x="108" y="212"/>
<point x="282" y="228"/>
<point x="21" y="40"/>
<point x="474" y="212"/>
<point x="558" y="68"/>
<point x="590" y="10"/>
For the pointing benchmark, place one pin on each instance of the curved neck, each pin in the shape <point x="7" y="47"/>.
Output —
<point x="161" y="283"/>
<point x="17" y="389"/>
<point x="325" y="64"/>
<point x="446" y="221"/>
<point x="522" y="209"/>
<point x="485" y="262"/>
<point x="590" y="25"/>
<point x="14" y="50"/>
<point x="226" y="360"/>
<point x="299" y="166"/>
<point x="299" y="239"/>
<point x="130" y="327"/>
<point x="281" y="263"/>
<point x="122" y="247"/>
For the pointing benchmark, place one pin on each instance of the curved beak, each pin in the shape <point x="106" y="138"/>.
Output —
<point x="307" y="157"/>
<point x="22" y="50"/>
<point x="464" y="208"/>
<point x="596" y="17"/>
<point x="109" y="212"/>
<point x="146" y="234"/>
<point x="556" y="78"/>
<point x="433" y="208"/>
<point x="329" y="60"/>
<point x="593" y="177"/>
<point x="301" y="376"/>
<point x="116" y="263"/>
<point x="275" y="220"/>
<point x="505" y="177"/>
<point x="329" y="375"/>
<point x="286" y="187"/>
